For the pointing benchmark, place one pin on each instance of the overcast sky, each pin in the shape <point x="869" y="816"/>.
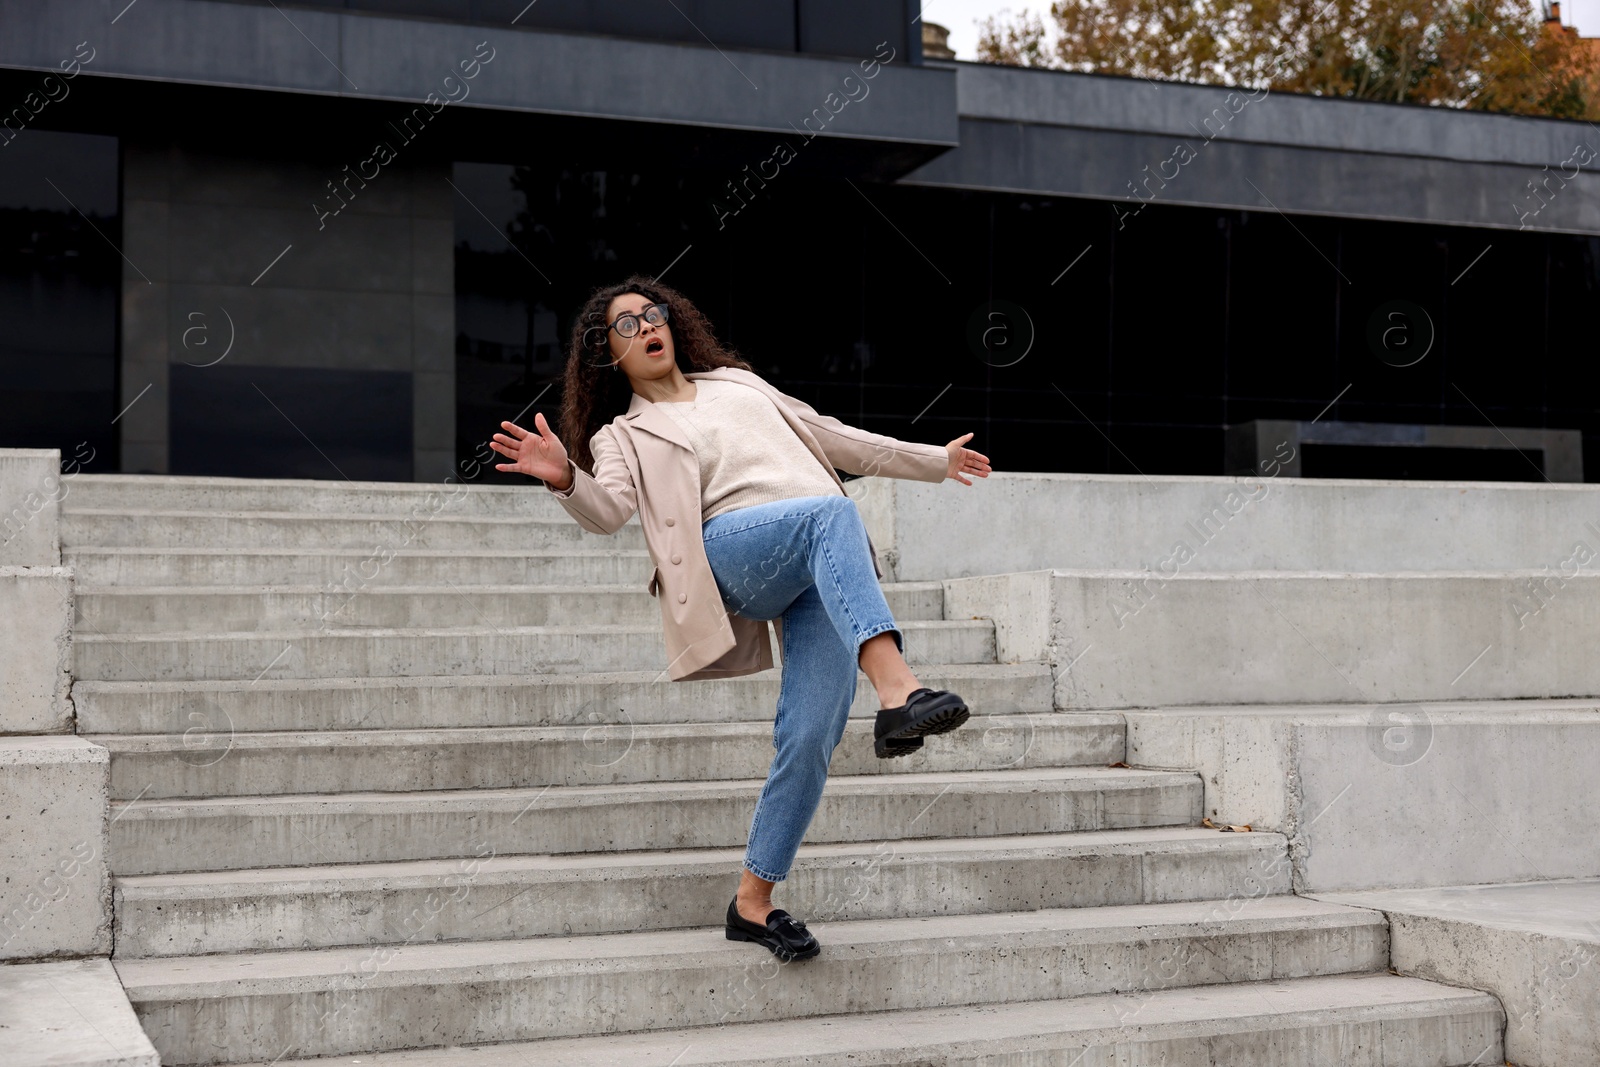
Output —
<point x="962" y="16"/>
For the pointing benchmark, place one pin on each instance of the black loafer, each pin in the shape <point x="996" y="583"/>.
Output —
<point x="785" y="935"/>
<point x="926" y="711"/>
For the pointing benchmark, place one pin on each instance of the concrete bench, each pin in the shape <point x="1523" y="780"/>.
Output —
<point x="1262" y="441"/>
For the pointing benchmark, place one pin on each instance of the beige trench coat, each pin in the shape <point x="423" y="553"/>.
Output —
<point x="643" y="463"/>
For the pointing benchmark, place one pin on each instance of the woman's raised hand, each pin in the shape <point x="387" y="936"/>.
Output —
<point x="964" y="461"/>
<point x="537" y="454"/>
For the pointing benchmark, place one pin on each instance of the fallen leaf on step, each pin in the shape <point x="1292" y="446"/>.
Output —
<point x="1119" y="763"/>
<point x="1227" y="828"/>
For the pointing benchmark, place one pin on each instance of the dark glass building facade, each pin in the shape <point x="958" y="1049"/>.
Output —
<point x="922" y="248"/>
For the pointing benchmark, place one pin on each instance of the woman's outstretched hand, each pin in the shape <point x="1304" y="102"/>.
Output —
<point x="537" y="454"/>
<point x="965" y="461"/>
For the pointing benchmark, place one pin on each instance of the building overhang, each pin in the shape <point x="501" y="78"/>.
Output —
<point x="903" y="111"/>
<point x="1118" y="139"/>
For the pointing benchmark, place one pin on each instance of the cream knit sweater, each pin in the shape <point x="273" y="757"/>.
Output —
<point x="747" y="452"/>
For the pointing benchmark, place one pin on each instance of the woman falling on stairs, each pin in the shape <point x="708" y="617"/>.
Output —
<point x="746" y="522"/>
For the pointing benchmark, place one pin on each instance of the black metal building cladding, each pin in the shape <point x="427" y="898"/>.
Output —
<point x="1066" y="334"/>
<point x="1109" y="349"/>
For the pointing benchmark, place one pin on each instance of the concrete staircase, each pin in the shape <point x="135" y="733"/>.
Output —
<point x="395" y="771"/>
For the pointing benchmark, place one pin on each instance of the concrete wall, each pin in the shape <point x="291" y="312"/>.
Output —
<point x="1123" y="640"/>
<point x="55" y="884"/>
<point x="1094" y="521"/>
<point x="1384" y="722"/>
<point x="55" y="901"/>
<point x="31" y="490"/>
<point x="35" y="595"/>
<point x="370" y="288"/>
<point x="1397" y="795"/>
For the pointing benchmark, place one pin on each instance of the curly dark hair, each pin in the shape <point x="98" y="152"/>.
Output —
<point x="593" y="394"/>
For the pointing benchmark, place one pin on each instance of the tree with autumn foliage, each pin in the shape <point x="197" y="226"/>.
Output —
<point x="1489" y="55"/>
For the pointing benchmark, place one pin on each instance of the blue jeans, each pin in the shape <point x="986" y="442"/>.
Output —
<point x="805" y="559"/>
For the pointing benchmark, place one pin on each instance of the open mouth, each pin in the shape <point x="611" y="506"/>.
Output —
<point x="654" y="347"/>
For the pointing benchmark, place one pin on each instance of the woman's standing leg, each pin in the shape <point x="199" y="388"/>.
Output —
<point x="818" y="687"/>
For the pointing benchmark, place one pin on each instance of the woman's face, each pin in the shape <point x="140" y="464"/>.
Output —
<point x="648" y="353"/>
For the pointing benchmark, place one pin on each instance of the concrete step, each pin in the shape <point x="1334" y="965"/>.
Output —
<point x="157" y="766"/>
<point x="1372" y="1019"/>
<point x="520" y="650"/>
<point x="504" y="897"/>
<point x="211" y="712"/>
<point x="1532" y="945"/>
<point x="151" y="527"/>
<point x="234" y="833"/>
<point x="70" y="1013"/>
<point x="210" y="1009"/>
<point x="236" y="609"/>
<point x="189" y="492"/>
<point x="357" y="569"/>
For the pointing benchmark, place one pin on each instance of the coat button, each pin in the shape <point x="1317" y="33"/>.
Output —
<point x="677" y="558"/>
<point x="671" y="521"/>
<point x="682" y="597"/>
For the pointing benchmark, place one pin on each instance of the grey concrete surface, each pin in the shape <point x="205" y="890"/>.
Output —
<point x="233" y="833"/>
<point x="31" y="491"/>
<point x="195" y="1009"/>
<point x="586" y="698"/>
<point x="1121" y="639"/>
<point x="236" y="608"/>
<point x="333" y="495"/>
<point x="192" y="493"/>
<point x="514" y="896"/>
<point x="69" y="1014"/>
<point x="1396" y="795"/>
<point x="1356" y="1020"/>
<point x="55" y="898"/>
<point x="312" y="908"/>
<point x="36" y="650"/>
<point x="356" y="569"/>
<point x="227" y="763"/>
<point x="1534" y="945"/>
<point x="480" y="649"/>
<point x="377" y="533"/>
<point x="1092" y="521"/>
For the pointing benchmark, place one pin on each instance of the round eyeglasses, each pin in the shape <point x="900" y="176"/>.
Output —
<point x="627" y="323"/>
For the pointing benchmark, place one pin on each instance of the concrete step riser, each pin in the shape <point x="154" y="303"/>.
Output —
<point x="237" y="611"/>
<point x="205" y="710"/>
<point x="218" y="1023"/>
<point x="355" y="571"/>
<point x="188" y="493"/>
<point x="536" y="897"/>
<point x="619" y="752"/>
<point x="360" y="654"/>
<point x="157" y="837"/>
<point x="377" y="534"/>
